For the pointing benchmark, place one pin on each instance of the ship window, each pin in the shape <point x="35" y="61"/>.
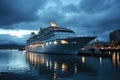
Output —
<point x="74" y="42"/>
<point x="50" y="42"/>
<point x="46" y="43"/>
<point x="64" y="42"/>
<point x="55" y="42"/>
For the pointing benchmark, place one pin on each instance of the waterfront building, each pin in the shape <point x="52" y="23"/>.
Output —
<point x="115" y="36"/>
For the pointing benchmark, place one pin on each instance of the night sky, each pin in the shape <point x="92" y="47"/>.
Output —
<point x="18" y="18"/>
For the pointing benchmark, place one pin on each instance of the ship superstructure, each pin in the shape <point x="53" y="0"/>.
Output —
<point x="56" y="39"/>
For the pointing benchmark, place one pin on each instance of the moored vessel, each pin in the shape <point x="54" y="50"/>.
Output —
<point x="56" y="39"/>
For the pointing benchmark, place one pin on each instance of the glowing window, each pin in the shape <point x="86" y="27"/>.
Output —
<point x="64" y="42"/>
<point x="55" y="42"/>
<point x="74" y="42"/>
<point x="50" y="42"/>
<point x="46" y="43"/>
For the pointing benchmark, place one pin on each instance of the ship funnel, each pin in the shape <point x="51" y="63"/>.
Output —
<point x="52" y="24"/>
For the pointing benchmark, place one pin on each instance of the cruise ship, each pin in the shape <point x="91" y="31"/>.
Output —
<point x="56" y="40"/>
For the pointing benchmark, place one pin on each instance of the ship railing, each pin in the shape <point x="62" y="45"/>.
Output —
<point x="85" y="35"/>
<point x="74" y="35"/>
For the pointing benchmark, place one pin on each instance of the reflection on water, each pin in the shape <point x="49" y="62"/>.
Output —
<point x="116" y="59"/>
<point x="18" y="65"/>
<point x="58" y="66"/>
<point x="100" y="60"/>
<point x="12" y="60"/>
<point x="83" y="59"/>
<point x="75" y="67"/>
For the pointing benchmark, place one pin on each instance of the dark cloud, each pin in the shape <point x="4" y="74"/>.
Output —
<point x="15" y="11"/>
<point x="108" y="19"/>
<point x="90" y="16"/>
<point x="51" y="15"/>
<point x="84" y="16"/>
<point x="95" y="15"/>
<point x="71" y="8"/>
<point x="95" y="6"/>
<point x="52" y="12"/>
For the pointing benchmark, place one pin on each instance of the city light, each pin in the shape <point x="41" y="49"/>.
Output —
<point x="83" y="59"/>
<point x="64" y="66"/>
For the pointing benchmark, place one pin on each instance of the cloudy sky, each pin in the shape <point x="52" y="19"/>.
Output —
<point x="18" y="18"/>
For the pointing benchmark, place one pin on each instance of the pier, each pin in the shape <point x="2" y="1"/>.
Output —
<point x="96" y="52"/>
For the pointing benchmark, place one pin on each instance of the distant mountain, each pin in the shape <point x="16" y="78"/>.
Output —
<point x="11" y="46"/>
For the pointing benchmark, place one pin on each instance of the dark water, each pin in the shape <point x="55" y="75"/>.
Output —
<point x="18" y="65"/>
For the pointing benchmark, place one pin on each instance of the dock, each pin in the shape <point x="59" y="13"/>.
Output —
<point x="99" y="52"/>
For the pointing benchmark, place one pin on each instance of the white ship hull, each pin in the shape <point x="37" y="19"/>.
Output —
<point x="72" y="47"/>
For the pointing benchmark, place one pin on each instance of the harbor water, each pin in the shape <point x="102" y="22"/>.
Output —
<point x="21" y="65"/>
